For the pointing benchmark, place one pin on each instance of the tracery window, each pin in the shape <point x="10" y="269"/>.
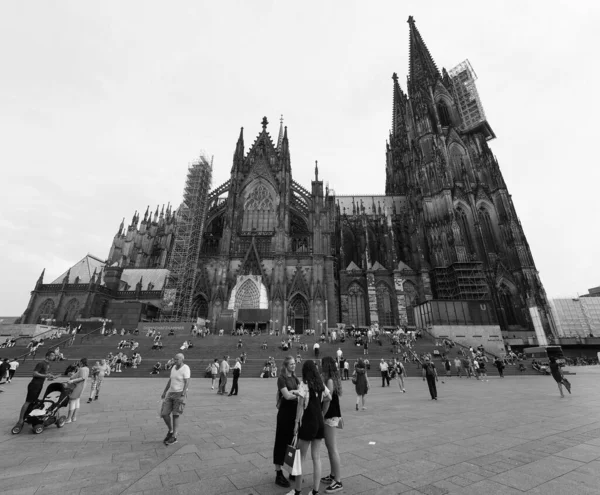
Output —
<point x="71" y="310"/>
<point x="443" y="113"/>
<point x="385" y="307"/>
<point x="46" y="309"/>
<point x="410" y="298"/>
<point x="458" y="161"/>
<point x="248" y="296"/>
<point x="487" y="230"/>
<point x="465" y="229"/>
<point x="259" y="211"/>
<point x="356" y="306"/>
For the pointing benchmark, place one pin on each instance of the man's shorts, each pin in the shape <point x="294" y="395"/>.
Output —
<point x="33" y="391"/>
<point x="174" y="403"/>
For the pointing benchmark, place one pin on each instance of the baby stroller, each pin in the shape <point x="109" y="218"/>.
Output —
<point x="45" y="412"/>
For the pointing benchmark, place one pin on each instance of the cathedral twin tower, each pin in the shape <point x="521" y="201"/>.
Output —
<point x="442" y="246"/>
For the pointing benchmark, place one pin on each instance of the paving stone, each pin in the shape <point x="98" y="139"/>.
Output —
<point x="116" y="446"/>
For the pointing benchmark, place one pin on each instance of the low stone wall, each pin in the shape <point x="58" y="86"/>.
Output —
<point x="489" y="336"/>
<point x="13" y="330"/>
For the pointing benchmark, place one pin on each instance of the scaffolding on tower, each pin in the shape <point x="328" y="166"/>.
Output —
<point x="469" y="104"/>
<point x="183" y="262"/>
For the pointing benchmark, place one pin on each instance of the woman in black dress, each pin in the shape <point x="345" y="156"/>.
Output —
<point x="333" y="417"/>
<point x="287" y="400"/>
<point x="313" y="403"/>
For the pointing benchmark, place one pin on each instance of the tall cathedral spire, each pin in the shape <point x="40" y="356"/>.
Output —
<point x="398" y="107"/>
<point x="280" y="138"/>
<point x="422" y="68"/>
<point x="238" y="156"/>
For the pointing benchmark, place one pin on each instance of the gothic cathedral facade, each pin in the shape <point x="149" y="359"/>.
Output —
<point x="275" y="253"/>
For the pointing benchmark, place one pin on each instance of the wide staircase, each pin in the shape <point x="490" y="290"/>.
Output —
<point x="94" y="347"/>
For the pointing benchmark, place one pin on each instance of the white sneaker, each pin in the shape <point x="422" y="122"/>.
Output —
<point x="67" y="421"/>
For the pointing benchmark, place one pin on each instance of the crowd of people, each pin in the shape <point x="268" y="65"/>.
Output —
<point x="308" y="409"/>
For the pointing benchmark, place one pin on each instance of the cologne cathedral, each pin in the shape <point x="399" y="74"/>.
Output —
<point x="270" y="252"/>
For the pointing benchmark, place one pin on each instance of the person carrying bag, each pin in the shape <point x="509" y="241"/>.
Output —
<point x="293" y="460"/>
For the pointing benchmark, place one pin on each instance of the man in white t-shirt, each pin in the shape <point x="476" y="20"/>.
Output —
<point x="385" y="376"/>
<point x="174" y="397"/>
<point x="316" y="349"/>
<point x="339" y="354"/>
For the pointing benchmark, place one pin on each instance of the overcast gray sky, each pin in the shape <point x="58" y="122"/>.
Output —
<point x="104" y="104"/>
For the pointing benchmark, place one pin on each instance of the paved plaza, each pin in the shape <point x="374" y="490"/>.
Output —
<point x="508" y="436"/>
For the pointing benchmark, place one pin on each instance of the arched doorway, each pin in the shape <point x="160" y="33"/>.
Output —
<point x="200" y="307"/>
<point x="298" y="314"/>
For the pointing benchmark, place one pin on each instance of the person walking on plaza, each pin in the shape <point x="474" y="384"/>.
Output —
<point x="98" y="373"/>
<point x="500" y="366"/>
<point x="458" y="366"/>
<point x="79" y="379"/>
<point x="174" y="397"/>
<point x="361" y="383"/>
<point x="466" y="362"/>
<point x="558" y="376"/>
<point x="448" y="368"/>
<point x="313" y="403"/>
<point x="223" y="370"/>
<point x="237" y="370"/>
<point x="384" y="369"/>
<point x="430" y="374"/>
<point x="14" y="364"/>
<point x="287" y="400"/>
<point x="333" y="418"/>
<point x="400" y="374"/>
<point x="40" y="373"/>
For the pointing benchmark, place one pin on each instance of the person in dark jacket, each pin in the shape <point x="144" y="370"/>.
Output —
<point x="333" y="417"/>
<point x="287" y="400"/>
<point x="430" y="374"/>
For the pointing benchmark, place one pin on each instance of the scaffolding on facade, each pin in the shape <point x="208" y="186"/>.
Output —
<point x="461" y="281"/>
<point x="183" y="263"/>
<point x="467" y="98"/>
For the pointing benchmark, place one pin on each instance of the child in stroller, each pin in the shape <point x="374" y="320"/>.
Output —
<point x="45" y="411"/>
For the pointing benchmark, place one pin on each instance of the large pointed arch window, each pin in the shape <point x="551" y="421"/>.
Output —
<point x="487" y="230"/>
<point x="458" y="161"/>
<point x="356" y="306"/>
<point x="71" y="310"/>
<point x="259" y="210"/>
<point x="410" y="298"/>
<point x="443" y="113"/>
<point x="465" y="228"/>
<point x="46" y="310"/>
<point x="385" y="306"/>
